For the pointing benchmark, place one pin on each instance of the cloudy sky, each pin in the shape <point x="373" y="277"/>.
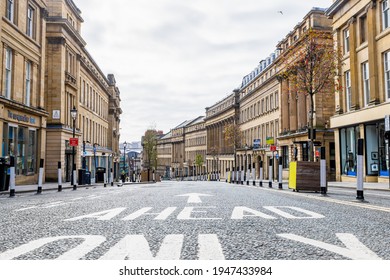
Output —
<point x="174" y="58"/>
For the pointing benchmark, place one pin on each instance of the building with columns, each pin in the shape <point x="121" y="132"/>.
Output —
<point x="164" y="155"/>
<point x="294" y="140"/>
<point x="195" y="146"/>
<point x="74" y="80"/>
<point x="220" y="152"/>
<point x="259" y="116"/>
<point x="362" y="31"/>
<point x="114" y="112"/>
<point x="23" y="115"/>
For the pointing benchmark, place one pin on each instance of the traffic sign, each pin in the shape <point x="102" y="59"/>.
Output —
<point x="74" y="142"/>
<point x="273" y="148"/>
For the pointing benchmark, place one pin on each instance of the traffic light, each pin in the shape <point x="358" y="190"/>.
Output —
<point x="387" y="135"/>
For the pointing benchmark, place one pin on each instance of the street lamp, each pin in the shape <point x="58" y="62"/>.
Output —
<point x="124" y="160"/>
<point x="73" y="113"/>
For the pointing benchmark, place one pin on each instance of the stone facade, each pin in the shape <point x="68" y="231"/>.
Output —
<point x="220" y="153"/>
<point x="294" y="141"/>
<point x="195" y="145"/>
<point x="74" y="80"/>
<point x="23" y="114"/>
<point x="362" y="31"/>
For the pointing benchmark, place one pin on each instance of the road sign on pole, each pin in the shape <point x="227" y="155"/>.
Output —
<point x="74" y="142"/>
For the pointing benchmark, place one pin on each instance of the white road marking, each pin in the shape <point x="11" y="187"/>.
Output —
<point x="310" y="214"/>
<point x="209" y="247"/>
<point x="194" y="197"/>
<point x="101" y="216"/>
<point x="160" y="216"/>
<point x="239" y="213"/>
<point x="185" y="214"/>
<point x="136" y="247"/>
<point x="90" y="242"/>
<point x="328" y="199"/>
<point x="354" y="250"/>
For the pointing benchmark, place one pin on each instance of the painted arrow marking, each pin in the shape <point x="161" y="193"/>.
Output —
<point x="194" y="197"/>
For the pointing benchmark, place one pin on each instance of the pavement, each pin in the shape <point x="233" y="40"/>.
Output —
<point x="54" y="186"/>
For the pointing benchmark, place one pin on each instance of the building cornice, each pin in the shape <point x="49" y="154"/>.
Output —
<point x="330" y="12"/>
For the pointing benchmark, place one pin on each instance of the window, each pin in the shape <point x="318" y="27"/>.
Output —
<point x="271" y="102"/>
<point x="348" y="149"/>
<point x="348" y="90"/>
<point x="276" y="100"/>
<point x="387" y="74"/>
<point x="30" y="22"/>
<point x="28" y="83"/>
<point x="385" y="14"/>
<point x="366" y="83"/>
<point x="346" y="41"/>
<point x="10" y="12"/>
<point x="285" y="159"/>
<point x="8" y="72"/>
<point x="363" y="29"/>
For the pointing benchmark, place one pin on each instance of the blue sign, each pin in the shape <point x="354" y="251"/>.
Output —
<point x="256" y="144"/>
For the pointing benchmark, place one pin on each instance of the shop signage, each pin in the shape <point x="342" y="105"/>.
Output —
<point x="21" y="118"/>
<point x="74" y="142"/>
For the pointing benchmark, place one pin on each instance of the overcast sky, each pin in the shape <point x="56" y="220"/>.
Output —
<point x="173" y="58"/>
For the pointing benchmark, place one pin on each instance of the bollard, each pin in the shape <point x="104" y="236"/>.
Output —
<point x="242" y="175"/>
<point x="359" y="174"/>
<point x="112" y="178"/>
<point x="270" y="175"/>
<point x="105" y="178"/>
<point x="323" y="171"/>
<point x="40" y="176"/>
<point x="254" y="174"/>
<point x="280" y="175"/>
<point x="59" y="177"/>
<point x="74" y="177"/>
<point x="247" y="175"/>
<point x="154" y="178"/>
<point x="12" y="177"/>
<point x="261" y="174"/>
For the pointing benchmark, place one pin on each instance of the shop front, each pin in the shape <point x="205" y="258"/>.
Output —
<point x="376" y="155"/>
<point x="21" y="137"/>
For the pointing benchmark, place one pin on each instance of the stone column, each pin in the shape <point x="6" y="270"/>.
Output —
<point x="353" y="65"/>
<point x="372" y="53"/>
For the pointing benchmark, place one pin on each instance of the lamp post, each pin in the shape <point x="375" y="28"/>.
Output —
<point x="73" y="113"/>
<point x="124" y="161"/>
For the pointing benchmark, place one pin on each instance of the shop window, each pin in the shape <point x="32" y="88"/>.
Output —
<point x="348" y="150"/>
<point x="383" y="152"/>
<point x="21" y="143"/>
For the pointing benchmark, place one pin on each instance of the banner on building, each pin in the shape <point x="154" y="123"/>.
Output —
<point x="256" y="144"/>
<point x="270" y="140"/>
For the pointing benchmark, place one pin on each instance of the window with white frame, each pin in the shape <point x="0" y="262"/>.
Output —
<point x="30" y="21"/>
<point x="28" y="83"/>
<point x="10" y="11"/>
<point x="8" y="72"/>
<point x="348" y="90"/>
<point x="385" y="14"/>
<point x="346" y="41"/>
<point x="366" y="83"/>
<point x="387" y="74"/>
